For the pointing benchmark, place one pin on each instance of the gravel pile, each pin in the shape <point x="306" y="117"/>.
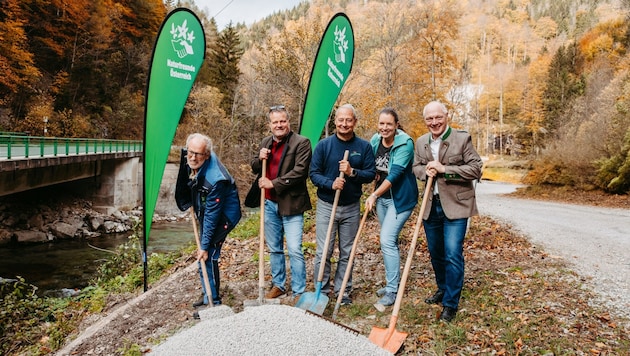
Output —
<point x="265" y="330"/>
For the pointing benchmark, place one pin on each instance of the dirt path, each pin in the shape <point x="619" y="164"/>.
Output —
<point x="594" y="240"/>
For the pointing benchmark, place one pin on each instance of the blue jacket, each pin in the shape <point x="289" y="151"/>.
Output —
<point x="215" y="200"/>
<point x="325" y="168"/>
<point x="404" y="188"/>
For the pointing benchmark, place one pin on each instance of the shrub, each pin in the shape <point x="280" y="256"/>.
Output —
<point x="550" y="171"/>
<point x="613" y="174"/>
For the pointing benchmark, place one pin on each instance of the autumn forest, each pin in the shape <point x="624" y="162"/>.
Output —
<point x="541" y="81"/>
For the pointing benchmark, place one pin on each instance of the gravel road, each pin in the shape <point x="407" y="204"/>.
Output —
<point x="594" y="240"/>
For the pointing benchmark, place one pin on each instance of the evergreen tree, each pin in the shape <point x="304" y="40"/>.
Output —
<point x="563" y="84"/>
<point x="225" y="55"/>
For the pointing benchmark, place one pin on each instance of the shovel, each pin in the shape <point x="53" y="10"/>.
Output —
<point x="261" y="252"/>
<point x="346" y="276"/>
<point x="391" y="339"/>
<point x="314" y="301"/>
<point x="204" y="270"/>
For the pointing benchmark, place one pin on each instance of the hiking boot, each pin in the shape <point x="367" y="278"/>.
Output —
<point x="389" y="298"/>
<point x="275" y="292"/>
<point x="198" y="303"/>
<point x="435" y="298"/>
<point x="448" y="314"/>
<point x="381" y="292"/>
<point x="345" y="300"/>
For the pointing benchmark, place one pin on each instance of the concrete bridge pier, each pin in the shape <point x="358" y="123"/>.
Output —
<point x="120" y="186"/>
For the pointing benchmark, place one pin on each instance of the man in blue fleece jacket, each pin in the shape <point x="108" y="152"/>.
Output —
<point x="326" y="165"/>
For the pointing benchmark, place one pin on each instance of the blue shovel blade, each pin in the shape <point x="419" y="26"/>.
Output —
<point x="313" y="301"/>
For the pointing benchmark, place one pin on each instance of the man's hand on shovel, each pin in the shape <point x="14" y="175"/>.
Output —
<point x="202" y="255"/>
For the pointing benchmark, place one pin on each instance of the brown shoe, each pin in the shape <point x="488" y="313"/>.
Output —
<point x="275" y="292"/>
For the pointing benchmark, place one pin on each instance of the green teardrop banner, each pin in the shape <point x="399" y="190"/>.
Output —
<point x="331" y="68"/>
<point x="179" y="51"/>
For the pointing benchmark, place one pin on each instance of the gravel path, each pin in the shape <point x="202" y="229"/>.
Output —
<point x="594" y="240"/>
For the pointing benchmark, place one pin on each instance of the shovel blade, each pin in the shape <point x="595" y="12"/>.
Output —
<point x="260" y="301"/>
<point x="252" y="303"/>
<point x="390" y="340"/>
<point x="313" y="302"/>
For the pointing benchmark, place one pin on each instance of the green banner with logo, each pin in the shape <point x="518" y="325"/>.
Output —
<point x="179" y="51"/>
<point x="331" y="68"/>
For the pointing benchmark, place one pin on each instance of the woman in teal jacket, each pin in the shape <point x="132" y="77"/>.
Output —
<point x="395" y="194"/>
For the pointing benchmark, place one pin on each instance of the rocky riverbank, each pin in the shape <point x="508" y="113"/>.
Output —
<point x="24" y="222"/>
<point x="54" y="213"/>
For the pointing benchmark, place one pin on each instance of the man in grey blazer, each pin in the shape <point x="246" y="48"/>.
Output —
<point x="288" y="157"/>
<point x="449" y="156"/>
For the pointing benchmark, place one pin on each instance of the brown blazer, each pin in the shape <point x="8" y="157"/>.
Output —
<point x="463" y="166"/>
<point x="290" y="185"/>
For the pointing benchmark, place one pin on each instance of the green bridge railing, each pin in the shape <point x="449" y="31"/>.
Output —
<point x="16" y="145"/>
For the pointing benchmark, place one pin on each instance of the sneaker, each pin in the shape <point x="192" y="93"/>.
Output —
<point x="388" y="299"/>
<point x="196" y="315"/>
<point x="275" y="292"/>
<point x="345" y="300"/>
<point x="381" y="292"/>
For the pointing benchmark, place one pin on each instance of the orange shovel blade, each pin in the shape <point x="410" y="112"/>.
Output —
<point x="390" y="340"/>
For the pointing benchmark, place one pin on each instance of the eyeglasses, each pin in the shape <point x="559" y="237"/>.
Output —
<point x="196" y="154"/>
<point x="277" y="108"/>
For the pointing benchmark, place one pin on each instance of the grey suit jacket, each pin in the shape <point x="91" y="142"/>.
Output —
<point x="463" y="166"/>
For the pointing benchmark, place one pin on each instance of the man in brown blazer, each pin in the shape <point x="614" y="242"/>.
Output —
<point x="288" y="157"/>
<point x="449" y="156"/>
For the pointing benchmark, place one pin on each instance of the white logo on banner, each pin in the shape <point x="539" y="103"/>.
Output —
<point x="182" y="39"/>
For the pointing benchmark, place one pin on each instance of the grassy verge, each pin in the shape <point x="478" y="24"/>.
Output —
<point x="503" y="174"/>
<point x="32" y="325"/>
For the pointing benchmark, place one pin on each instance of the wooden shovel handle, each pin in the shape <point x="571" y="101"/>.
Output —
<point x="412" y="248"/>
<point x="261" y="247"/>
<point x="320" y="275"/>
<point x="204" y="270"/>
<point x="346" y="275"/>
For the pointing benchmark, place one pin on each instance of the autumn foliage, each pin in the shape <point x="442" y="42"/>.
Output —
<point x="537" y="79"/>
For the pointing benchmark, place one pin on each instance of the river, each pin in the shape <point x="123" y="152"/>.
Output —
<point x="72" y="263"/>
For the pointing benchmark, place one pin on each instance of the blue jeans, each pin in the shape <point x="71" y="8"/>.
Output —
<point x="445" y="239"/>
<point x="391" y="225"/>
<point x="212" y="267"/>
<point x="277" y="228"/>
<point x="345" y="226"/>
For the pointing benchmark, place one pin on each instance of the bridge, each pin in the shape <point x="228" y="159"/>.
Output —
<point x="30" y="162"/>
